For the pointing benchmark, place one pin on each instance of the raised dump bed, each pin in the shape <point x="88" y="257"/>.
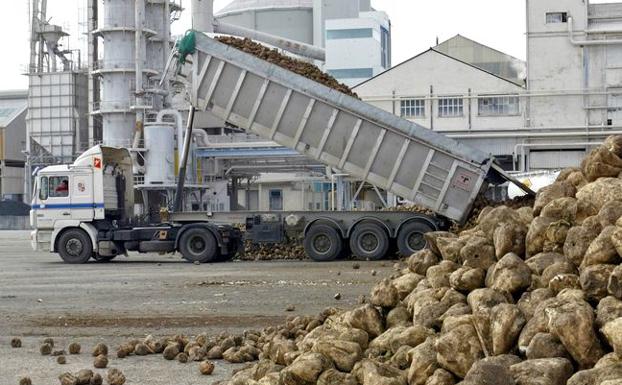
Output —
<point x="338" y="130"/>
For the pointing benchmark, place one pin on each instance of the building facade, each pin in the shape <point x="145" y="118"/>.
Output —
<point x="356" y="37"/>
<point x="13" y="109"/>
<point x="543" y="116"/>
<point x="358" y="48"/>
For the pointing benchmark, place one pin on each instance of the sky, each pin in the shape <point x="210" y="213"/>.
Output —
<point x="416" y="25"/>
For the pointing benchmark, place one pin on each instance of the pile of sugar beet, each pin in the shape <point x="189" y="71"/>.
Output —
<point x="273" y="56"/>
<point x="529" y="296"/>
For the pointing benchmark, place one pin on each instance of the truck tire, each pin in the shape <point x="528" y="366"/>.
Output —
<point x="198" y="245"/>
<point x="369" y="241"/>
<point x="410" y="237"/>
<point x="323" y="243"/>
<point x="74" y="246"/>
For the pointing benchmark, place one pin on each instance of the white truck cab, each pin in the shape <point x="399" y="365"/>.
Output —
<point x="85" y="210"/>
<point x="96" y="187"/>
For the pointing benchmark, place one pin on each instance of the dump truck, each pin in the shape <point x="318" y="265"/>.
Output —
<point x="85" y="210"/>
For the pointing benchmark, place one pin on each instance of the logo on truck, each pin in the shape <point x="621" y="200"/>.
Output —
<point x="464" y="181"/>
<point x="97" y="163"/>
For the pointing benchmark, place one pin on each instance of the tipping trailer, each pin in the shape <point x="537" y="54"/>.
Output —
<point x="93" y="217"/>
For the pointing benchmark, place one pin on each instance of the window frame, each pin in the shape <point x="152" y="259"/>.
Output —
<point x="274" y="193"/>
<point x="349" y="33"/>
<point x="351" y="73"/>
<point x="44" y="186"/>
<point x="563" y="17"/>
<point x="410" y="108"/>
<point x="52" y="187"/>
<point x="497" y="110"/>
<point x="457" y="107"/>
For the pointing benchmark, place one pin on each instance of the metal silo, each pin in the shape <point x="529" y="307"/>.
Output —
<point x="291" y="19"/>
<point x="136" y="36"/>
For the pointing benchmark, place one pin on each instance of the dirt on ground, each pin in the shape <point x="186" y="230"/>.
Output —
<point x="152" y="294"/>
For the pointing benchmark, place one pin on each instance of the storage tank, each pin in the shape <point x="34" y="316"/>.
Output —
<point x="291" y="19"/>
<point x="159" y="158"/>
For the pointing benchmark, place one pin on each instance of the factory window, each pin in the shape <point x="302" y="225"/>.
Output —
<point x="386" y="48"/>
<point x="556" y="17"/>
<point x="498" y="106"/>
<point x="412" y="108"/>
<point x="276" y="200"/>
<point x="352" y="73"/>
<point x="450" y="107"/>
<point x="358" y="33"/>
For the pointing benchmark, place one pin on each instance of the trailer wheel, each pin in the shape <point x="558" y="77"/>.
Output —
<point x="198" y="245"/>
<point x="74" y="246"/>
<point x="323" y="243"/>
<point x="369" y="241"/>
<point x="410" y="238"/>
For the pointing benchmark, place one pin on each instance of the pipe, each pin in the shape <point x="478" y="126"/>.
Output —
<point x="202" y="138"/>
<point x="523" y="95"/>
<point x="166" y="49"/>
<point x="183" y="161"/>
<point x="571" y="33"/>
<point x="138" y="38"/>
<point x="534" y="135"/>
<point x="139" y="8"/>
<point x="292" y="46"/>
<point x="179" y="122"/>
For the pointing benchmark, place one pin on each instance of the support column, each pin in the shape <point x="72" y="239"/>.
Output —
<point x="93" y="92"/>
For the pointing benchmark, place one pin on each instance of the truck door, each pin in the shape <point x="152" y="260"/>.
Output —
<point x="53" y="201"/>
<point x="82" y="200"/>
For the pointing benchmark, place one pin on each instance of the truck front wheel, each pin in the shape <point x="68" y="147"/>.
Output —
<point x="323" y="243"/>
<point x="198" y="245"/>
<point x="75" y="246"/>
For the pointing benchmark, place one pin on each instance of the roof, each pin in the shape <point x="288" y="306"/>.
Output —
<point x="433" y="50"/>
<point x="484" y="57"/>
<point x="243" y="5"/>
<point x="56" y="168"/>
<point x="12" y="105"/>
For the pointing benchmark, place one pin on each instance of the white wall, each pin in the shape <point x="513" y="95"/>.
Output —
<point x="295" y="24"/>
<point x="359" y="53"/>
<point x="432" y="75"/>
<point x="555" y="64"/>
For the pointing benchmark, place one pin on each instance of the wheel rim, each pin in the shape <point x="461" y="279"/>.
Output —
<point x="416" y="241"/>
<point x="74" y="247"/>
<point x="369" y="242"/>
<point x="321" y="243"/>
<point x="197" y="245"/>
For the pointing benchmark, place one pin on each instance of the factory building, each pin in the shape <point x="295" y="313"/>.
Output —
<point x="357" y="38"/>
<point x="545" y="113"/>
<point x="12" y="143"/>
<point x="358" y="48"/>
<point x="543" y="116"/>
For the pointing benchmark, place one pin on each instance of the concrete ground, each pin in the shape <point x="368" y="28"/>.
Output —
<point x="40" y="297"/>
